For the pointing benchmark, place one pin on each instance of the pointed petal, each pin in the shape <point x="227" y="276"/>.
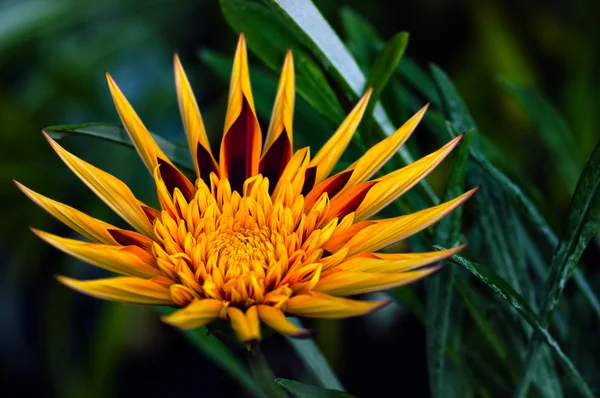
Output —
<point x="128" y="260"/>
<point x="108" y="188"/>
<point x="393" y="263"/>
<point x="320" y="305"/>
<point x="93" y="229"/>
<point x="384" y="232"/>
<point x="294" y="172"/>
<point x="198" y="313"/>
<point x="241" y="144"/>
<point x="391" y="186"/>
<point x="245" y="326"/>
<point x="347" y="283"/>
<point x="129" y="289"/>
<point x="379" y="154"/>
<point x="145" y="145"/>
<point x="331" y="152"/>
<point x="277" y="321"/>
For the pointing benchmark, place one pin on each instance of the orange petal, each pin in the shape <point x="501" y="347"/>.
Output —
<point x="93" y="229"/>
<point x="198" y="313"/>
<point x="331" y="152"/>
<point x="204" y="161"/>
<point x="276" y="320"/>
<point x="320" y="305"/>
<point x="391" y="186"/>
<point x="379" y="154"/>
<point x="128" y="238"/>
<point x="347" y="283"/>
<point x="245" y="326"/>
<point x="393" y="263"/>
<point x="128" y="260"/>
<point x="331" y="185"/>
<point x="109" y="188"/>
<point x="387" y="231"/>
<point x="241" y="144"/>
<point x="129" y="289"/>
<point x="147" y="148"/>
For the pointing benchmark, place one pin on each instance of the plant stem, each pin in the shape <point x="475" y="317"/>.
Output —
<point x="262" y="372"/>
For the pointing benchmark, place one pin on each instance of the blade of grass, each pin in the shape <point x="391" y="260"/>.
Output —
<point x="582" y="225"/>
<point x="179" y="154"/>
<point x="512" y="298"/>
<point x="301" y="390"/>
<point x="439" y="286"/>
<point x="218" y="352"/>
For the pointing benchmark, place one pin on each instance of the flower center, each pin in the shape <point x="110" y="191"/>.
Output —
<point x="243" y="250"/>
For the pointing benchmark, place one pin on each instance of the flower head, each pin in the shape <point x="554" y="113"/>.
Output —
<point x="263" y="230"/>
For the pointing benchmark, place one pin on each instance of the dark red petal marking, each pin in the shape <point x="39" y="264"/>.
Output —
<point x="275" y="159"/>
<point x="310" y="175"/>
<point x="351" y="200"/>
<point x="174" y="178"/>
<point x="128" y="238"/>
<point x="151" y="213"/>
<point x="332" y="186"/>
<point x="238" y="147"/>
<point x="206" y="164"/>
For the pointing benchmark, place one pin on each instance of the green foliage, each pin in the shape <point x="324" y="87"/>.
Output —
<point x="301" y="390"/>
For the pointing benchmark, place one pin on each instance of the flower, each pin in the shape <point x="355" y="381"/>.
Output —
<point x="261" y="233"/>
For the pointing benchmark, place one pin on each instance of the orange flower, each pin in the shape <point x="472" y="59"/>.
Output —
<point x="262" y="232"/>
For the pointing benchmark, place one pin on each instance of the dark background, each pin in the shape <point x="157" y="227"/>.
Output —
<point x="52" y="58"/>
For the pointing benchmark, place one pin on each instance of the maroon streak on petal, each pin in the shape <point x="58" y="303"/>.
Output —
<point x="206" y="164"/>
<point x="128" y="238"/>
<point x="310" y="176"/>
<point x="174" y="178"/>
<point x="275" y="159"/>
<point x="151" y="213"/>
<point x="332" y="186"/>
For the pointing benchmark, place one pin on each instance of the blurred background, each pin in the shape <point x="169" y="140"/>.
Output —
<point x="53" y="55"/>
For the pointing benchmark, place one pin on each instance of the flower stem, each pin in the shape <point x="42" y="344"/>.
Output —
<point x="262" y="372"/>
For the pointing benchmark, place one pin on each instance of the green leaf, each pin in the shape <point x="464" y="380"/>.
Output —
<point x="307" y="22"/>
<point x="439" y="286"/>
<point x="582" y="225"/>
<point x="259" y="24"/>
<point x="419" y="80"/>
<point x="361" y="37"/>
<point x="553" y="129"/>
<point x="218" y="352"/>
<point x="301" y="390"/>
<point x="512" y="298"/>
<point x="314" y="360"/>
<point x="178" y="154"/>
<point x="384" y="66"/>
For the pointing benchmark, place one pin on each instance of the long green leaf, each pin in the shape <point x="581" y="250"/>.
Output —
<point x="220" y="354"/>
<point x="552" y="127"/>
<point x="178" y="154"/>
<point x="439" y="287"/>
<point x="259" y="24"/>
<point x="582" y="225"/>
<point x="301" y="390"/>
<point x="314" y="360"/>
<point x="324" y="43"/>
<point x="514" y="299"/>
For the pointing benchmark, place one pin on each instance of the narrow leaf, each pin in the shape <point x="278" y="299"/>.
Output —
<point x="301" y="390"/>
<point x="179" y="154"/>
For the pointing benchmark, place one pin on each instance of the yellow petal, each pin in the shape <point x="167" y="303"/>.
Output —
<point x="245" y="326"/>
<point x="93" y="229"/>
<point x="379" y="154"/>
<point x="331" y="152"/>
<point x="125" y="260"/>
<point x="198" y="313"/>
<point x="241" y="144"/>
<point x="108" y="188"/>
<point x="294" y="172"/>
<point x="387" y="231"/>
<point x="320" y="305"/>
<point x="279" y="141"/>
<point x="145" y="145"/>
<point x="277" y="321"/>
<point x="283" y="110"/>
<point x="391" y="186"/>
<point x="393" y="263"/>
<point x="347" y="283"/>
<point x="129" y="289"/>
<point x="204" y="162"/>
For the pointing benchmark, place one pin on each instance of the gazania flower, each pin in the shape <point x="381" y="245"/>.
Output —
<point x="263" y="231"/>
